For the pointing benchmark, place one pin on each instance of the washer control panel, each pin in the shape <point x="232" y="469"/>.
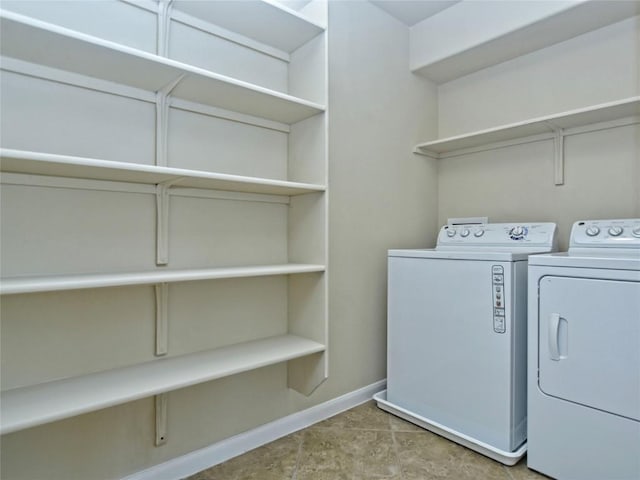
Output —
<point x="541" y="235"/>
<point x="594" y="234"/>
<point x="497" y="280"/>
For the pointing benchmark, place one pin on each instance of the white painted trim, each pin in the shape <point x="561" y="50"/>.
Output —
<point x="216" y="453"/>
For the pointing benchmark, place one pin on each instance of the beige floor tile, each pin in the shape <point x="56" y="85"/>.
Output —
<point x="426" y="456"/>
<point x="400" y="425"/>
<point x="344" y="453"/>
<point x="364" y="443"/>
<point x="274" y="461"/>
<point x="367" y="416"/>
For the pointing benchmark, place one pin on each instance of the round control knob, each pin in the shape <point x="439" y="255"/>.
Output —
<point x="615" y="231"/>
<point x="636" y="232"/>
<point x="592" y="231"/>
<point x="517" y="233"/>
<point x="478" y="233"/>
<point x="451" y="232"/>
<point x="465" y="232"/>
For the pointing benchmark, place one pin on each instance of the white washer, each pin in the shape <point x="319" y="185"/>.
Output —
<point x="584" y="355"/>
<point x="456" y="361"/>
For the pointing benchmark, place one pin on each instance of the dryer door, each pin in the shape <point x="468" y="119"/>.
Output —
<point x="589" y="343"/>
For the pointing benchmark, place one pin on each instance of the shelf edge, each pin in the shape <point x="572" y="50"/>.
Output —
<point x="424" y="148"/>
<point x="180" y="177"/>
<point x="273" y="350"/>
<point x="36" y="284"/>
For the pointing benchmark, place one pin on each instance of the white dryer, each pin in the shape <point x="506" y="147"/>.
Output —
<point x="456" y="355"/>
<point x="584" y="355"/>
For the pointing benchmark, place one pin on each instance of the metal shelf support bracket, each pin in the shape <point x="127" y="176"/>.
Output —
<point x="162" y="120"/>
<point x="162" y="319"/>
<point x="164" y="18"/>
<point x="162" y="224"/>
<point x="558" y="155"/>
<point x="161" y="403"/>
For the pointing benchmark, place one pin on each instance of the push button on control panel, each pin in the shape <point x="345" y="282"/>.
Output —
<point x="497" y="280"/>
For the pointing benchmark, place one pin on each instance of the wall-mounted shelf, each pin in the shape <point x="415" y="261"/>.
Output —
<point x="548" y="125"/>
<point x="39" y="404"/>
<point x="487" y="47"/>
<point x="269" y="23"/>
<point x="37" y="163"/>
<point x="49" y="283"/>
<point x="42" y="43"/>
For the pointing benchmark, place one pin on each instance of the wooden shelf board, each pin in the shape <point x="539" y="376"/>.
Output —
<point x="47" y="402"/>
<point x="42" y="43"/>
<point x="265" y="21"/>
<point x="629" y="107"/>
<point x="49" y="283"/>
<point x="37" y="163"/>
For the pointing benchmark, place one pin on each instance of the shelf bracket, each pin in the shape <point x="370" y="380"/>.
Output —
<point x="162" y="319"/>
<point x="162" y="220"/>
<point x="161" y="402"/>
<point x="162" y="120"/>
<point x="164" y="17"/>
<point x="558" y="154"/>
<point x="162" y="223"/>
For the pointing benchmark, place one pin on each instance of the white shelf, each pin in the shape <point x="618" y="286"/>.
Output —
<point x="490" y="49"/>
<point x="267" y="22"/>
<point x="37" y="163"/>
<point x="38" y="404"/>
<point x="33" y="41"/>
<point x="605" y="112"/>
<point x="50" y="283"/>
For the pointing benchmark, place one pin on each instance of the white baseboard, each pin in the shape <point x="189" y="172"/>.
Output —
<point x="219" y="452"/>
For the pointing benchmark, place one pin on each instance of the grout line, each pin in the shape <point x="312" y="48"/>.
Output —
<point x="508" y="472"/>
<point x="294" y="476"/>
<point x="352" y="428"/>
<point x="395" y="451"/>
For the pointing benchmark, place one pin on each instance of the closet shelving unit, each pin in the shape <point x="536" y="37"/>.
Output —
<point x="511" y="43"/>
<point x="541" y="127"/>
<point x="554" y="127"/>
<point x="274" y="27"/>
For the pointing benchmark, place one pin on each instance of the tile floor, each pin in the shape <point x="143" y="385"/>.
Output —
<point x="364" y="443"/>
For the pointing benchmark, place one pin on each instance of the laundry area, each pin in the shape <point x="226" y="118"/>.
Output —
<point x="240" y="235"/>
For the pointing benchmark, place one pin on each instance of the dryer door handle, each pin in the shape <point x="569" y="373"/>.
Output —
<point x="554" y="336"/>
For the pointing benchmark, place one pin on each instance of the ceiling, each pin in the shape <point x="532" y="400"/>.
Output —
<point x="411" y="12"/>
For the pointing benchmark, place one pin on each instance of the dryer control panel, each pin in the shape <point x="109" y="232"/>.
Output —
<point x="498" y="235"/>
<point x="598" y="235"/>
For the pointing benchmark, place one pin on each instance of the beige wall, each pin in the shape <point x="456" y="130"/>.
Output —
<point x="381" y="195"/>
<point x="602" y="169"/>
